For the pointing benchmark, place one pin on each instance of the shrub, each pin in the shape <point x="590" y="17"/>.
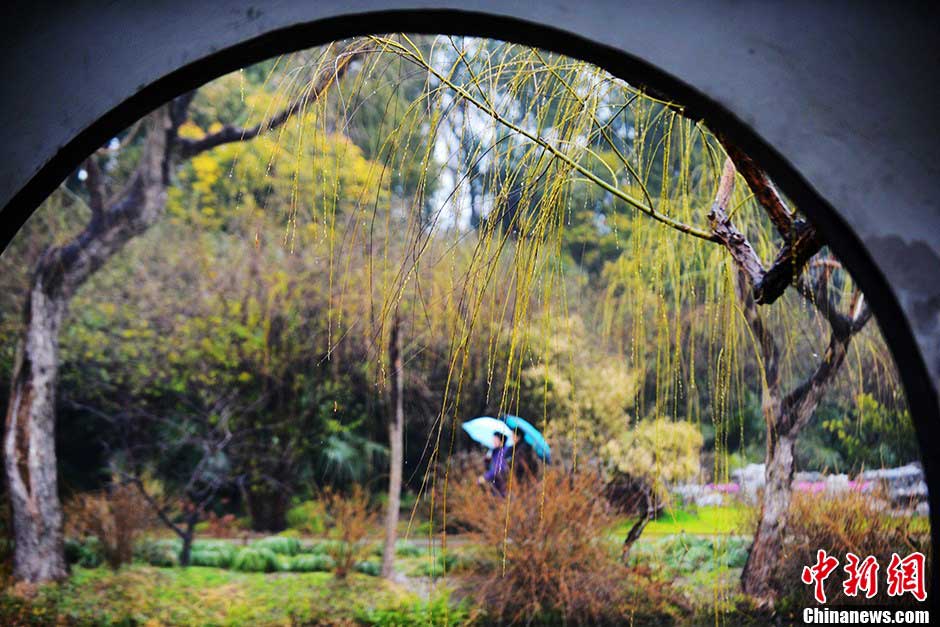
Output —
<point x="320" y="547"/>
<point x="279" y="545"/>
<point x="403" y="548"/>
<point x="444" y="563"/>
<point x="209" y="558"/>
<point x="160" y="553"/>
<point x="85" y="553"/>
<point x="216" y="526"/>
<point x="217" y="554"/>
<point x="307" y="518"/>
<point x="252" y="560"/>
<point x="307" y="563"/>
<point x="657" y="451"/>
<point x="544" y="556"/>
<point x="368" y="567"/>
<point x="407" y="549"/>
<point x="116" y="517"/>
<point x="853" y="521"/>
<point x="351" y="518"/>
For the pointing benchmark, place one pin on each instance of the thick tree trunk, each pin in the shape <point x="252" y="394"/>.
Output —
<point x="757" y="579"/>
<point x="189" y="532"/>
<point x="785" y="416"/>
<point x="396" y="428"/>
<point x="29" y="441"/>
<point x="29" y="436"/>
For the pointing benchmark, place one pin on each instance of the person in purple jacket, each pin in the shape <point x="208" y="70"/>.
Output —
<point x="496" y="474"/>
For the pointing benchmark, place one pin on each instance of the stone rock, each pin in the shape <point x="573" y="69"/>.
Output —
<point x="751" y="479"/>
<point x="902" y="485"/>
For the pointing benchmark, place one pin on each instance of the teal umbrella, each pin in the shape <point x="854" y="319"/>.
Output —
<point x="482" y="429"/>
<point x="531" y="435"/>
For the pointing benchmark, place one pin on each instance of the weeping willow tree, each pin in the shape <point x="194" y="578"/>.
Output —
<point x="471" y="198"/>
<point x="555" y="120"/>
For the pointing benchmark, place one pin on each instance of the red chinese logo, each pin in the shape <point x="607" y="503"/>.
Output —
<point x="902" y="575"/>
<point x="862" y="576"/>
<point x="906" y="575"/>
<point x="818" y="573"/>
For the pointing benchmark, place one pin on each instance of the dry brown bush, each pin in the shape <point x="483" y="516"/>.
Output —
<point x="856" y="522"/>
<point x="546" y="554"/>
<point x="225" y="526"/>
<point x="351" y="518"/>
<point x="116" y="516"/>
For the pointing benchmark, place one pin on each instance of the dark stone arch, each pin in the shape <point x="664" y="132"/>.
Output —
<point x="836" y="100"/>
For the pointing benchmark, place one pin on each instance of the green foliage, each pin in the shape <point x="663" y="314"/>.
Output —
<point x="368" y="567"/>
<point x="212" y="559"/>
<point x="403" y="548"/>
<point x="444" y="563"/>
<point x="438" y="610"/>
<point x="307" y="517"/>
<point x="321" y="547"/>
<point x="279" y="545"/>
<point x="250" y="560"/>
<point x="311" y="563"/>
<point x="682" y="554"/>
<point x="872" y="435"/>
<point x="161" y="553"/>
<point x="658" y="451"/>
<point x="86" y="553"/>
<point x="201" y="596"/>
<point x="214" y="553"/>
<point x="583" y="394"/>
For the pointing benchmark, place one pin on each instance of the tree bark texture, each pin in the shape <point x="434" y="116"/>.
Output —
<point x="29" y="437"/>
<point x="784" y="415"/>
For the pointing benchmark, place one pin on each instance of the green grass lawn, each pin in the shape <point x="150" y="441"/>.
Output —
<point x="147" y="595"/>
<point x="711" y="520"/>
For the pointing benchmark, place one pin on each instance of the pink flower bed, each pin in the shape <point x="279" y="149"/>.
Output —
<point x="815" y="487"/>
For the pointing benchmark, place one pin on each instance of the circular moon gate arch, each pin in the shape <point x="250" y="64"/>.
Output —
<point x="836" y="100"/>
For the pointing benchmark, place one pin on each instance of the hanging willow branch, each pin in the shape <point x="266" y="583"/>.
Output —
<point x="414" y="56"/>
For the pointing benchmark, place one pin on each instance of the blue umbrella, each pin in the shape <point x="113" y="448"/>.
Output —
<point x="531" y="435"/>
<point x="482" y="430"/>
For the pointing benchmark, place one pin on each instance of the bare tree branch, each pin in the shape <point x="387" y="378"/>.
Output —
<point x="750" y="272"/>
<point x="329" y="74"/>
<point x="801" y="241"/>
<point x="761" y="187"/>
<point x="800" y="404"/>
<point x="802" y="244"/>
<point x="724" y="230"/>
<point x="818" y="296"/>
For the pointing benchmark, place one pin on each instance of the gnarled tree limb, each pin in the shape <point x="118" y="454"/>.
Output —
<point x="330" y="73"/>
<point x="727" y="234"/>
<point x="801" y="241"/>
